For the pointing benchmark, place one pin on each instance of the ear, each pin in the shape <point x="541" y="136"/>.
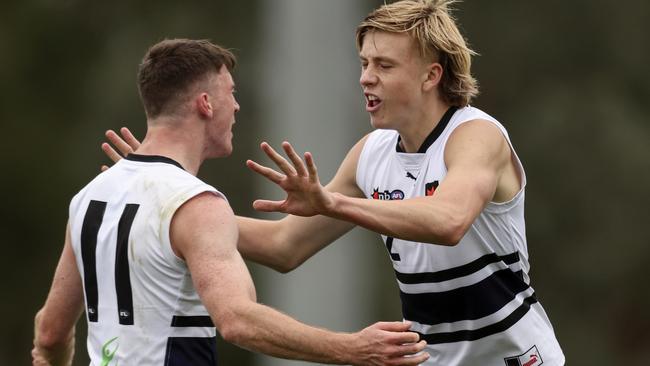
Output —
<point x="433" y="77"/>
<point x="203" y="105"/>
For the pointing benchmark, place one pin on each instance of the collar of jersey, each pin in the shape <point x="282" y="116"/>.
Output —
<point x="153" y="159"/>
<point x="433" y="136"/>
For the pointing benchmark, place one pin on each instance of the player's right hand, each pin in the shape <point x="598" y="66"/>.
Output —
<point x="125" y="144"/>
<point x="389" y="343"/>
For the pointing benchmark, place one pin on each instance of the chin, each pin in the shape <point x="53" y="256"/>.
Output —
<point x="380" y="123"/>
<point x="223" y="152"/>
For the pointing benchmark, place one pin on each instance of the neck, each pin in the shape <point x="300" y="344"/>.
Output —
<point x="176" y="141"/>
<point x="414" y="133"/>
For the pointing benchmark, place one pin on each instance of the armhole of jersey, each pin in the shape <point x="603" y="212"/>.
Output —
<point x="362" y="164"/>
<point x="174" y="204"/>
<point x="499" y="207"/>
<point x="72" y="208"/>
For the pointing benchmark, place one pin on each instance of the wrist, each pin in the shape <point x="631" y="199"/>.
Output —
<point x="333" y="205"/>
<point x="346" y="352"/>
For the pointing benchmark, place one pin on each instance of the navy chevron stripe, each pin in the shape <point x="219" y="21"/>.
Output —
<point x="456" y="272"/>
<point x="471" y="335"/>
<point x="192" y="321"/>
<point x="465" y="303"/>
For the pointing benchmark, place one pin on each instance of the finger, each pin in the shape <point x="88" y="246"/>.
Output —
<point x="119" y="143"/>
<point x="409" y="360"/>
<point x="295" y="159"/>
<point x="397" y="332"/>
<point x="281" y="162"/>
<point x="394" y="326"/>
<point x="409" y="349"/>
<point x="268" y="173"/>
<point x="104" y="168"/>
<point x="110" y="152"/>
<point x="267" y="206"/>
<point x="311" y="167"/>
<point x="129" y="138"/>
<point x="403" y="337"/>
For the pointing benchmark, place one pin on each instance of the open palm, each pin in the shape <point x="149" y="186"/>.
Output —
<point x="305" y="195"/>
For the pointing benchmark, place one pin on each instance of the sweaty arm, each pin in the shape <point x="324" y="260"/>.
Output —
<point x="54" y="324"/>
<point x="285" y="244"/>
<point x="476" y="156"/>
<point x="204" y="233"/>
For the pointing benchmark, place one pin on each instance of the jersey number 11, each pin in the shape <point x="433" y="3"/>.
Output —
<point x="92" y="223"/>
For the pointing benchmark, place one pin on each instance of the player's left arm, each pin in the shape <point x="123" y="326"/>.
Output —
<point x="476" y="155"/>
<point x="54" y="324"/>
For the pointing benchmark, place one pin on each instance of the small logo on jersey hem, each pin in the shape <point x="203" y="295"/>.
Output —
<point x="528" y="358"/>
<point x="387" y="195"/>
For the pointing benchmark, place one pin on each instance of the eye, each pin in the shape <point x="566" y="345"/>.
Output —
<point x="385" y="66"/>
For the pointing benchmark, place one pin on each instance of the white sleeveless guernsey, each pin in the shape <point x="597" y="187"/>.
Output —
<point x="141" y="305"/>
<point x="472" y="302"/>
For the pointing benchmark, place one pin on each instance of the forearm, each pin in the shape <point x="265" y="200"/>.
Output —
<point x="285" y="244"/>
<point x="262" y="329"/>
<point x="258" y="242"/>
<point x="54" y="324"/>
<point x="420" y="219"/>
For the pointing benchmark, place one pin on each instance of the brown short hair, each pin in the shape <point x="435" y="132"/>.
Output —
<point x="171" y="67"/>
<point x="431" y="25"/>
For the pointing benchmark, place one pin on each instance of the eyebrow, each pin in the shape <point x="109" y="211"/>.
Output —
<point x="378" y="59"/>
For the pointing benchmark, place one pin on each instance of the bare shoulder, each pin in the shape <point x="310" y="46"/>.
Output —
<point x="480" y="140"/>
<point x="200" y="221"/>
<point x="480" y="149"/>
<point x="345" y="180"/>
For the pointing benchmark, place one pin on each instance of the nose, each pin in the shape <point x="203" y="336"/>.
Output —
<point x="236" y="106"/>
<point x="368" y="76"/>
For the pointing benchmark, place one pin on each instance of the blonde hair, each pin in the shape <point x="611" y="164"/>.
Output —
<point x="431" y="25"/>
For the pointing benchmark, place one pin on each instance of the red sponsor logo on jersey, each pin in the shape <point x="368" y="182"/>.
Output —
<point x="430" y="188"/>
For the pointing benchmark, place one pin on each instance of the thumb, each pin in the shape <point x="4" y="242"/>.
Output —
<point x="267" y="206"/>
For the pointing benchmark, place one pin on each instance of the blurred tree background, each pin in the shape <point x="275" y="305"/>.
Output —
<point x="568" y="79"/>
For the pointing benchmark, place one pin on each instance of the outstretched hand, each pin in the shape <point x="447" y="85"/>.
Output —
<point x="305" y="195"/>
<point x="126" y="144"/>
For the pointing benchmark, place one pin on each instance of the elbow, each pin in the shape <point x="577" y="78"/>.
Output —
<point x="279" y="254"/>
<point x="48" y="338"/>
<point x="451" y="239"/>
<point x="233" y="333"/>
<point x="287" y="264"/>
<point x="233" y="329"/>
<point x="49" y="341"/>
<point x="453" y="231"/>
<point x="286" y="257"/>
<point x="233" y="321"/>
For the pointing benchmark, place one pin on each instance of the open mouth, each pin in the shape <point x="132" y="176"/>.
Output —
<point x="372" y="102"/>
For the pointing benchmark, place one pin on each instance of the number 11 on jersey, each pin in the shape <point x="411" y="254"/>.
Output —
<point x="124" y="296"/>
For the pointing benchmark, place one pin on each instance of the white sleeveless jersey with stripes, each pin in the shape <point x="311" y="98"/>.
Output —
<point x="472" y="302"/>
<point x="141" y="305"/>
